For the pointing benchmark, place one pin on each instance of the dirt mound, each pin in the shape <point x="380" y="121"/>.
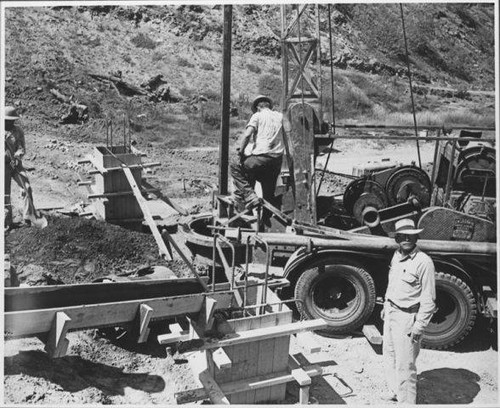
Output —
<point x="75" y="250"/>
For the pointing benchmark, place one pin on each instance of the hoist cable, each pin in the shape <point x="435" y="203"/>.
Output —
<point x="325" y="167"/>
<point x="411" y="87"/>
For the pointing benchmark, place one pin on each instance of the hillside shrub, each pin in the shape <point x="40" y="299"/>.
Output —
<point x="212" y="95"/>
<point x="207" y="66"/>
<point x="211" y="114"/>
<point x="272" y="86"/>
<point x="183" y="62"/>
<point x="142" y="40"/>
<point x="254" y="68"/>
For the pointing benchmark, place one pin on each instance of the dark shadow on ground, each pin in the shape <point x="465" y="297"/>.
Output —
<point x="447" y="386"/>
<point x="75" y="374"/>
<point x="321" y="391"/>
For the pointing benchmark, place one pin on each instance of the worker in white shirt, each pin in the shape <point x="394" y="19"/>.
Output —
<point x="408" y="308"/>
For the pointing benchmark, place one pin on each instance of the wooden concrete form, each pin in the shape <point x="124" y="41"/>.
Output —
<point x="110" y="179"/>
<point x="247" y="362"/>
<point x="51" y="325"/>
<point x="113" y="196"/>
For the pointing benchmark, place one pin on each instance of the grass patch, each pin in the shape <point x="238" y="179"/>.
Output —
<point x="459" y="117"/>
<point x="142" y="40"/>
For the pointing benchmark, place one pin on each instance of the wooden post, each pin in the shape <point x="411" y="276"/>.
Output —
<point x="226" y="96"/>
<point x="144" y="315"/>
<point x="57" y="343"/>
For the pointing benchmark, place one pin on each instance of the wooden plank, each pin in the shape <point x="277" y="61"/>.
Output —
<point x="261" y="334"/>
<point x="54" y="296"/>
<point x="254" y="383"/>
<point x="33" y="322"/>
<point x="304" y="381"/>
<point x="176" y="334"/>
<point x="119" y="193"/>
<point x="57" y="343"/>
<point x="147" y="214"/>
<point x="372" y="334"/>
<point x="198" y="364"/>
<point x="221" y="359"/>
<point x="143" y="317"/>
<point x="308" y="342"/>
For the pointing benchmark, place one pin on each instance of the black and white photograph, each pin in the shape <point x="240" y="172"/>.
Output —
<point x="249" y="203"/>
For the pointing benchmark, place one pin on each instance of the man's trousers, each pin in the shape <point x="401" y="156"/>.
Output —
<point x="262" y="168"/>
<point x="21" y="178"/>
<point x="400" y="354"/>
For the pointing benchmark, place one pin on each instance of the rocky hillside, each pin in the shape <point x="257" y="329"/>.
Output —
<point x="74" y="51"/>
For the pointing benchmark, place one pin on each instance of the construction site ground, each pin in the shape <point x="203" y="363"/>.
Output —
<point x="97" y="370"/>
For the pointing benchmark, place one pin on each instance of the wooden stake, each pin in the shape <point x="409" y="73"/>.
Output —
<point x="57" y="343"/>
<point x="144" y="315"/>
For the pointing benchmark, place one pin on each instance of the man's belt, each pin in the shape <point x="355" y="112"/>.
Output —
<point x="411" y="309"/>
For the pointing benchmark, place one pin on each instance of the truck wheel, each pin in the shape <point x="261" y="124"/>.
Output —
<point x="335" y="290"/>
<point x="455" y="315"/>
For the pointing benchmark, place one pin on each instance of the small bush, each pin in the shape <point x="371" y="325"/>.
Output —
<point x="211" y="114"/>
<point x="183" y="62"/>
<point x="212" y="95"/>
<point x="254" y="68"/>
<point x="271" y="86"/>
<point x="142" y="40"/>
<point x="127" y="58"/>
<point x="207" y="66"/>
<point x="157" y="56"/>
<point x="275" y="71"/>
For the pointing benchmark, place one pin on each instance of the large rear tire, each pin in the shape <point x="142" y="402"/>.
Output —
<point x="338" y="291"/>
<point x="456" y="313"/>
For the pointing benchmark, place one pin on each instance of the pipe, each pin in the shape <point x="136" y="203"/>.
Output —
<point x="376" y="243"/>
<point x="370" y="217"/>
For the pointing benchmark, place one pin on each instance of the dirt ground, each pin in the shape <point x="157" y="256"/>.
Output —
<point x="97" y="370"/>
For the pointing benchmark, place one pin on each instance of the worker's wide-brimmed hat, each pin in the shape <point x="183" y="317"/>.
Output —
<point x="261" y="98"/>
<point x="406" y="226"/>
<point x="11" y="113"/>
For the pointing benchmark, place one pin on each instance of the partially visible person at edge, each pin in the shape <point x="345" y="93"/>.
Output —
<point x="15" y="149"/>
<point x="408" y="308"/>
<point x="259" y="154"/>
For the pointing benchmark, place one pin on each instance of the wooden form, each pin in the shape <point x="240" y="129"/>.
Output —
<point x="51" y="325"/>
<point x="109" y="179"/>
<point x="247" y="361"/>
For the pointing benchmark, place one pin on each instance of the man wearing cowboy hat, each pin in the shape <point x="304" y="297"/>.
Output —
<point x="259" y="154"/>
<point x="15" y="148"/>
<point x="408" y="308"/>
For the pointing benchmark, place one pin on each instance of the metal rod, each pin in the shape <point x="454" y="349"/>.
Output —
<point x="247" y="259"/>
<point x="124" y="134"/>
<point x="450" y="174"/>
<point x="214" y="249"/>
<point x="266" y="274"/>
<point x="405" y="138"/>
<point x="436" y="149"/>
<point x="429" y="127"/>
<point x="233" y="253"/>
<point x="411" y="86"/>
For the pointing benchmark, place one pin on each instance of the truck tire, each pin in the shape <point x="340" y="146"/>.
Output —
<point x="338" y="291"/>
<point x="456" y="313"/>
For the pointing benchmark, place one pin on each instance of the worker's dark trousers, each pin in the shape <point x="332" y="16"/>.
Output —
<point x="262" y="168"/>
<point x="21" y="178"/>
